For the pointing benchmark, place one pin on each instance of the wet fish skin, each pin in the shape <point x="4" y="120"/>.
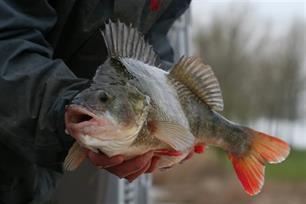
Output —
<point x="109" y="103"/>
<point x="211" y="128"/>
<point x="249" y="150"/>
<point x="182" y="112"/>
<point x="192" y="88"/>
<point x="123" y="124"/>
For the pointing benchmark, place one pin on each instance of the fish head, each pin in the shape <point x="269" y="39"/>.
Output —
<point x="107" y="112"/>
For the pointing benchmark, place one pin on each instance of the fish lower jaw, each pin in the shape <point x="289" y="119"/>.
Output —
<point x="94" y="144"/>
<point x="110" y="147"/>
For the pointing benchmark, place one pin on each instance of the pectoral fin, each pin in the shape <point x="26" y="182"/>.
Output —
<point x="75" y="157"/>
<point x="178" y="137"/>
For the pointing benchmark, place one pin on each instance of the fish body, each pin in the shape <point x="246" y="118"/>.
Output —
<point x="168" y="112"/>
<point x="131" y="120"/>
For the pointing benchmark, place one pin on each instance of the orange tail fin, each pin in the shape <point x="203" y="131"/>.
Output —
<point x="250" y="167"/>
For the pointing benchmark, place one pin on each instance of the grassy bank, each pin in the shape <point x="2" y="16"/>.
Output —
<point x="294" y="168"/>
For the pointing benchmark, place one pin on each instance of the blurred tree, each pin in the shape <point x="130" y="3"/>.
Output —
<point x="289" y="66"/>
<point x="259" y="74"/>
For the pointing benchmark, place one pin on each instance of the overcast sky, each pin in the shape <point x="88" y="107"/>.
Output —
<point x="279" y="12"/>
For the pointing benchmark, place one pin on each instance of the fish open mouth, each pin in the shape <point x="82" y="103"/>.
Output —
<point x="80" y="121"/>
<point x="78" y="115"/>
<point x="98" y="132"/>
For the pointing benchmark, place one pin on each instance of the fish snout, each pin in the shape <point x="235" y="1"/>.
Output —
<point x="78" y="119"/>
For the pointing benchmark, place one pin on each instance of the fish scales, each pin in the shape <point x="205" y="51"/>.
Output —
<point x="133" y="107"/>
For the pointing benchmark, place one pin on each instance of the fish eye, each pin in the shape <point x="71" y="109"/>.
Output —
<point x="103" y="97"/>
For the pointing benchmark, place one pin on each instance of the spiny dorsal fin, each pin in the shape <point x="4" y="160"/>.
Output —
<point x="125" y="41"/>
<point x="195" y="77"/>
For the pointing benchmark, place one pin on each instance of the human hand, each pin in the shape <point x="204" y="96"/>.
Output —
<point x="198" y="148"/>
<point x="128" y="169"/>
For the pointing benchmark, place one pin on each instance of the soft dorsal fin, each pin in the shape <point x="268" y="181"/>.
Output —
<point x="125" y="41"/>
<point x="199" y="79"/>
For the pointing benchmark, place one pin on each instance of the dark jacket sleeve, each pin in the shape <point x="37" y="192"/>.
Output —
<point x="158" y="33"/>
<point x="34" y="87"/>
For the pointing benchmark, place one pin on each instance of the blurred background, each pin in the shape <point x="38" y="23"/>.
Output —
<point x="257" y="49"/>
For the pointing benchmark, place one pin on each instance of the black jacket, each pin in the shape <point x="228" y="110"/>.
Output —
<point x="48" y="50"/>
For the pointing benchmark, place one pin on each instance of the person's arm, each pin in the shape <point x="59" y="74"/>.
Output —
<point x="34" y="89"/>
<point x="34" y="86"/>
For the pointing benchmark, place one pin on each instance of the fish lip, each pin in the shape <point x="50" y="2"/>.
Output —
<point x="77" y="129"/>
<point x="101" y="123"/>
<point x="74" y="128"/>
<point x="72" y="109"/>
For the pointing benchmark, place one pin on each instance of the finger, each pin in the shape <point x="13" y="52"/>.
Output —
<point x="103" y="161"/>
<point x="153" y="165"/>
<point x="131" y="166"/>
<point x="133" y="176"/>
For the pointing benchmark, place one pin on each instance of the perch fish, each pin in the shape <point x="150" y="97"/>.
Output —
<point x="134" y="106"/>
